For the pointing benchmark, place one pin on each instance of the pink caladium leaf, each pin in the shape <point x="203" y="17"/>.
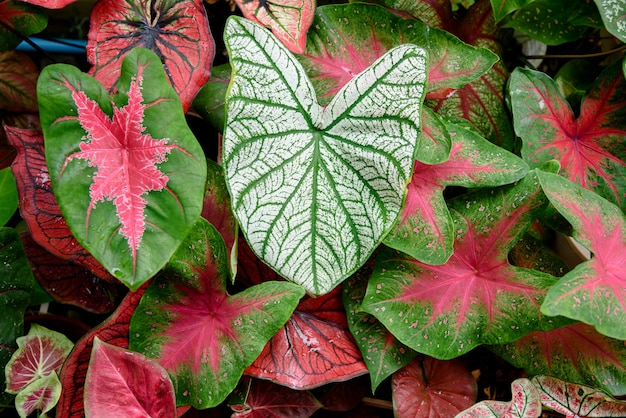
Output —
<point x="19" y="80"/>
<point x="262" y="399"/>
<point x="40" y="352"/>
<point x="476" y="297"/>
<point x="577" y="401"/>
<point x="289" y="20"/>
<point x="574" y="353"/>
<point x="590" y="147"/>
<point x="431" y="388"/>
<point x="50" y="4"/>
<point x="39" y="397"/>
<point x="177" y="32"/>
<point x="593" y="292"/>
<point x="18" y="20"/>
<point x="204" y="337"/>
<point x="526" y="403"/>
<point x="74" y="372"/>
<point x="141" y="386"/>
<point x="425" y="229"/>
<point x="117" y="166"/>
<point x="314" y="347"/>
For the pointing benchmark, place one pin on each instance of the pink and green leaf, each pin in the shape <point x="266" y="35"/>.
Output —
<point x="122" y="383"/>
<point x="50" y="4"/>
<point x="176" y="31"/>
<point x="18" y="75"/>
<point x="127" y="172"/>
<point x="19" y="20"/>
<point x="593" y="292"/>
<point x="39" y="396"/>
<point x="425" y="229"/>
<point x="526" y="403"/>
<point x="574" y="400"/>
<point x="431" y="388"/>
<point x="201" y="335"/>
<point x="476" y="297"/>
<point x="590" y="147"/>
<point x="289" y="20"/>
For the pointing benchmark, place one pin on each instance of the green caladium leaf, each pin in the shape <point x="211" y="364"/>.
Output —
<point x="8" y="195"/>
<point x="502" y="8"/>
<point x="204" y="337"/>
<point x="613" y="14"/>
<point x="126" y="170"/>
<point x="316" y="189"/>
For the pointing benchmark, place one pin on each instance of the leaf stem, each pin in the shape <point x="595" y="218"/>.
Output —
<point x="377" y="403"/>
<point x="575" y="56"/>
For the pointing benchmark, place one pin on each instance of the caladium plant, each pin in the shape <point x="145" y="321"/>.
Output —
<point x="378" y="212"/>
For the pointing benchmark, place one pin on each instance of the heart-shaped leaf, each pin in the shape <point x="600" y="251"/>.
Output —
<point x="316" y="189"/>
<point x="40" y="396"/>
<point x="202" y="336"/>
<point x="8" y="195"/>
<point x="19" y="74"/>
<point x="141" y="386"/>
<point x="129" y="175"/>
<point x="526" y="403"/>
<point x="288" y="19"/>
<point x="18" y="20"/>
<point x="431" y="388"/>
<point x="590" y="148"/>
<point x="177" y="31"/>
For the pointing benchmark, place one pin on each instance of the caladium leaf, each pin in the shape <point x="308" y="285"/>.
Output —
<point x="590" y="148"/>
<point x="314" y="347"/>
<point x="431" y="388"/>
<point x="8" y="195"/>
<point x="40" y="352"/>
<point x="526" y="403"/>
<point x="593" y="292"/>
<point x="141" y="386"/>
<point x="502" y="8"/>
<point x="146" y="171"/>
<point x="74" y="372"/>
<point x="262" y="399"/>
<point x="40" y="396"/>
<point x="614" y="17"/>
<point x="39" y="207"/>
<point x="177" y="31"/>
<point x="19" y="80"/>
<point x="202" y="336"/>
<point x="50" y="4"/>
<point x="18" y="20"/>
<point x="210" y="100"/>
<point x="15" y="120"/>
<point x="288" y="19"/>
<point x="574" y="353"/>
<point x="476" y="297"/>
<point x="424" y="229"/>
<point x="302" y="176"/>
<point x="573" y="400"/>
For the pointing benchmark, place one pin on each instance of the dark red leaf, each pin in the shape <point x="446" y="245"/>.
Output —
<point x="73" y="374"/>
<point x="67" y="282"/>
<point x="178" y="32"/>
<point x="315" y="347"/>
<point x="17" y="120"/>
<point x="39" y="207"/>
<point x="18" y="76"/>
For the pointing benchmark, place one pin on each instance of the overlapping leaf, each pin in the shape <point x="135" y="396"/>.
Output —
<point x="145" y="170"/>
<point x="593" y="292"/>
<point x="177" y="31"/>
<point x="526" y="403"/>
<point x="18" y="20"/>
<point x="614" y="17"/>
<point x="316" y="189"/>
<point x="476" y="297"/>
<point x="202" y="336"/>
<point x="18" y="81"/>
<point x="8" y="195"/>
<point x="590" y="147"/>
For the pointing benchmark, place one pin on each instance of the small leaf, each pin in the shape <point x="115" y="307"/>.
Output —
<point x="18" y="18"/>
<point x="575" y="400"/>
<point x="141" y="387"/>
<point x="41" y="352"/>
<point x="8" y="195"/>
<point x="526" y="403"/>
<point x="41" y="395"/>
<point x="18" y="81"/>
<point x="302" y="176"/>
<point x="431" y="388"/>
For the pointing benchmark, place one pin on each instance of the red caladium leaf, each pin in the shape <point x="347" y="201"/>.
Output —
<point x="425" y="229"/>
<point x="17" y="120"/>
<point x="204" y="337"/>
<point x="590" y="148"/>
<point x="177" y="31"/>
<point x="288" y="19"/>
<point x="314" y="347"/>
<point x="141" y="386"/>
<point x="593" y="292"/>
<point x="144" y="190"/>
<point x="262" y="399"/>
<point x="73" y="374"/>
<point x="69" y="283"/>
<point x="574" y="353"/>
<point x="19" y="80"/>
<point x="39" y="207"/>
<point x="577" y="401"/>
<point x="18" y="20"/>
<point x="526" y="403"/>
<point x="476" y="296"/>
<point x="50" y="4"/>
<point x="431" y="388"/>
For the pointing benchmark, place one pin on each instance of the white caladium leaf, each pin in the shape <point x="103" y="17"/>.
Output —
<point x="316" y="189"/>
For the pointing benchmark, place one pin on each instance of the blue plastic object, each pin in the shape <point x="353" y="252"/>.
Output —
<point x="56" y="45"/>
